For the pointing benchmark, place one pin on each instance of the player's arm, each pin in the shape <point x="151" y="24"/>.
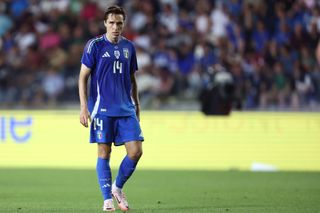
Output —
<point x="83" y="79"/>
<point x="135" y="95"/>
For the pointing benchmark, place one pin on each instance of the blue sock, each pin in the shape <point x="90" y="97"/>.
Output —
<point x="126" y="169"/>
<point x="104" y="177"/>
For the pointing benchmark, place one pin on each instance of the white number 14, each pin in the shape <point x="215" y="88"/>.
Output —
<point x="117" y="66"/>
<point x="97" y="122"/>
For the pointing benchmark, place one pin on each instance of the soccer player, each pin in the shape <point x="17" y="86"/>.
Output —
<point x="112" y="105"/>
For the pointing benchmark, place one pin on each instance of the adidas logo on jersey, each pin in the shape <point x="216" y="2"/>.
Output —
<point x="106" y="55"/>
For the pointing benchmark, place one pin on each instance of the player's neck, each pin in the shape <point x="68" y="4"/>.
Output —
<point x="113" y="40"/>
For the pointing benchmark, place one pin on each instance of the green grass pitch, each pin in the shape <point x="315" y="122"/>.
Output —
<point x="62" y="190"/>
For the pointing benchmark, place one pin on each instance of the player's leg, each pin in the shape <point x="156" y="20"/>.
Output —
<point x="129" y="133"/>
<point x="103" y="170"/>
<point x="129" y="163"/>
<point x="100" y="129"/>
<point x="127" y="167"/>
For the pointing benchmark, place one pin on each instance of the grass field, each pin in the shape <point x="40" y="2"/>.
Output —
<point x="50" y="190"/>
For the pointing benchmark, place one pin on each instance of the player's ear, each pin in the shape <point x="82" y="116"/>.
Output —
<point x="105" y="23"/>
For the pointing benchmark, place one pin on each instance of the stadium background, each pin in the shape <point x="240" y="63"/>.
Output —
<point x="269" y="48"/>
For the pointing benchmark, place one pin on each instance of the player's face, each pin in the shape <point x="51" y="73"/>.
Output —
<point x="114" y="26"/>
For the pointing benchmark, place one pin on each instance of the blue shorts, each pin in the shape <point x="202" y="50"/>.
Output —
<point x="119" y="130"/>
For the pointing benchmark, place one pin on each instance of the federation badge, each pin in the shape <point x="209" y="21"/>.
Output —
<point x="126" y="52"/>
<point x="99" y="135"/>
<point x="117" y="54"/>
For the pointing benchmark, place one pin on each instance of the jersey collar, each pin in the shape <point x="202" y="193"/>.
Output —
<point x="105" y="38"/>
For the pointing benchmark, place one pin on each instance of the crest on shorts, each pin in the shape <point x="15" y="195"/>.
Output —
<point x="117" y="54"/>
<point x="99" y="135"/>
<point x="126" y="52"/>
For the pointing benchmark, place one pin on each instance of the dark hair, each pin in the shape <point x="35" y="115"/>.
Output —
<point x="115" y="10"/>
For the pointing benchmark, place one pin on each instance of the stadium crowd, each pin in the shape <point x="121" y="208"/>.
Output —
<point x="268" y="46"/>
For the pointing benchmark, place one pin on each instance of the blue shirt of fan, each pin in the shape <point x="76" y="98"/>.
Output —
<point x="111" y="67"/>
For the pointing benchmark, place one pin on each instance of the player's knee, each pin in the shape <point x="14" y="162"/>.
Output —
<point x="136" y="155"/>
<point x="104" y="153"/>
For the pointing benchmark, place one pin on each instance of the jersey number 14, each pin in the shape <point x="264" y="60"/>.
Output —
<point x="117" y="67"/>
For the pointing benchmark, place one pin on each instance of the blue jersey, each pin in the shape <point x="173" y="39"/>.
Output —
<point x="111" y="67"/>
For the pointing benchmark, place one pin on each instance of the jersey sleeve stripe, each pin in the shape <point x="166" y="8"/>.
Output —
<point x="92" y="42"/>
<point x="97" y="103"/>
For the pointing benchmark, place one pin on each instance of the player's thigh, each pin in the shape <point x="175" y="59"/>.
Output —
<point x="128" y="129"/>
<point x="102" y="129"/>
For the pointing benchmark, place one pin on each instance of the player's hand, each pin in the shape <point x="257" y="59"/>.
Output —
<point x="84" y="117"/>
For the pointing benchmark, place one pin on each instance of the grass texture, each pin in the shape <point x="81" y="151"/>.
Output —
<point x="63" y="190"/>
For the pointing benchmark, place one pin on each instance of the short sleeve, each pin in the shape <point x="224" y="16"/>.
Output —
<point x="133" y="62"/>
<point x="88" y="58"/>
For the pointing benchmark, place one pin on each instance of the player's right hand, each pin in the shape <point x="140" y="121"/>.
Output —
<point x="84" y="117"/>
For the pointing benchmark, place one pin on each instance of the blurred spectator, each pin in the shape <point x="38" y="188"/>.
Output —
<point x="303" y="88"/>
<point x="52" y="85"/>
<point x="25" y="37"/>
<point x="17" y="7"/>
<point x="49" y="39"/>
<point x="169" y="18"/>
<point x="5" y="23"/>
<point x="220" y="20"/>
